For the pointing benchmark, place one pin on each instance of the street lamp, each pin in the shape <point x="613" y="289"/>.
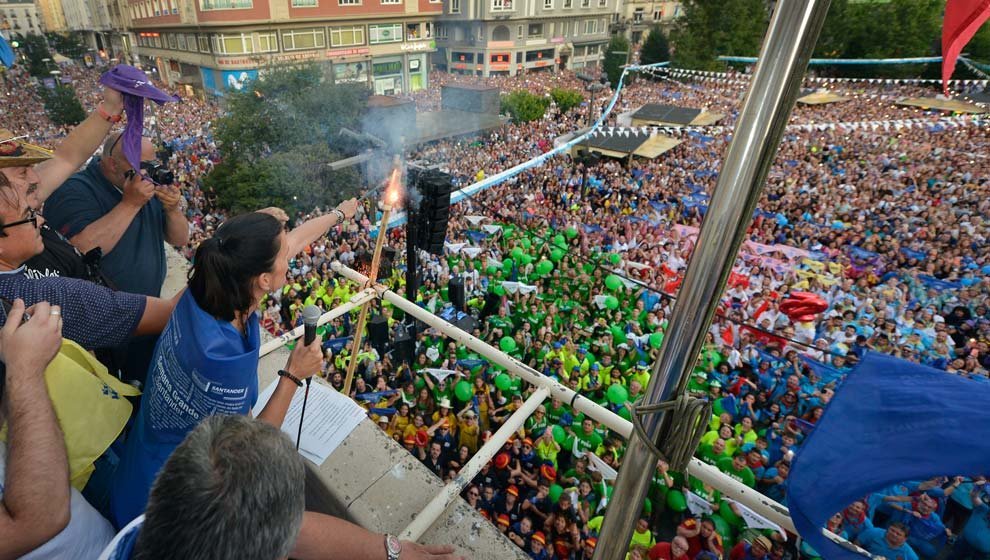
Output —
<point x="594" y="85"/>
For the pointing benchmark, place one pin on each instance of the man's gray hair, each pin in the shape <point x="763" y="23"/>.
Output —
<point x="234" y="489"/>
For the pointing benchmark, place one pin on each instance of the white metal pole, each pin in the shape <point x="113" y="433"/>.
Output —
<point x="494" y="355"/>
<point x="359" y="298"/>
<point x="451" y="491"/>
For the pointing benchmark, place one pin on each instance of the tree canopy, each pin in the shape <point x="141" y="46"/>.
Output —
<point x="853" y="29"/>
<point x="524" y="106"/>
<point x="616" y="55"/>
<point x="278" y="137"/>
<point x="655" y="48"/>
<point x="566" y="99"/>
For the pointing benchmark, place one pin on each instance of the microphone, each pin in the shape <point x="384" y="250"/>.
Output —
<point x="311" y="316"/>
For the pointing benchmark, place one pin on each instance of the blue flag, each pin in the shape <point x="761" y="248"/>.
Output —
<point x="891" y="420"/>
<point x="6" y="53"/>
<point x="825" y="372"/>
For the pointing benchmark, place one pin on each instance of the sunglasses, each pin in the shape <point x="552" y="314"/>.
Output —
<point x="32" y="218"/>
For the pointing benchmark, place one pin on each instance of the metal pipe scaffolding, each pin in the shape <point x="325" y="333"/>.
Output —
<point x="787" y="47"/>
<point x="453" y="489"/>
<point x="708" y="474"/>
<point x="359" y="298"/>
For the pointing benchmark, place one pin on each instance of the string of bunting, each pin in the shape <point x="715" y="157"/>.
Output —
<point x="737" y="78"/>
<point x="934" y="125"/>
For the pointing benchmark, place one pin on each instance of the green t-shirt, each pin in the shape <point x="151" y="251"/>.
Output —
<point x="586" y="442"/>
<point x="706" y="455"/>
<point x="744" y="475"/>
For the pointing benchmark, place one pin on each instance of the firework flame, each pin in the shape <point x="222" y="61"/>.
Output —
<point x="394" y="186"/>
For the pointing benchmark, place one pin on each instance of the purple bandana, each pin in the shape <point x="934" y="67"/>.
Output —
<point x="135" y="86"/>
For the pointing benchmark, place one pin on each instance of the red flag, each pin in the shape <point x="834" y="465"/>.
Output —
<point x="962" y="19"/>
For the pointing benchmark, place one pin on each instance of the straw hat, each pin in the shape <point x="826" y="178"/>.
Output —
<point x="15" y="153"/>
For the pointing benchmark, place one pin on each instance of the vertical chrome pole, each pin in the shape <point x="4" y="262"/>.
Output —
<point x="787" y="47"/>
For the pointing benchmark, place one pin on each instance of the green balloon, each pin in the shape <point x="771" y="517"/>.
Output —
<point x="507" y="266"/>
<point x="656" y="339"/>
<point x="614" y="258"/>
<point x="559" y="240"/>
<point x="617" y="394"/>
<point x="571" y="233"/>
<point x="589" y="268"/>
<point x="676" y="501"/>
<point x="502" y="380"/>
<point x="721" y="526"/>
<point x="559" y="435"/>
<point x="730" y="516"/>
<point x="463" y="391"/>
<point x="525" y="259"/>
<point x="618" y="335"/>
<point x="491" y="270"/>
<point x="544" y="267"/>
<point x="555" y="491"/>
<point x="508" y="231"/>
<point x="517" y="253"/>
<point x="611" y="302"/>
<point x="717" y="408"/>
<point x="527" y="243"/>
<point x="556" y="254"/>
<point x="625" y="413"/>
<point x="613" y="282"/>
<point x="499" y="290"/>
<point x="507" y="344"/>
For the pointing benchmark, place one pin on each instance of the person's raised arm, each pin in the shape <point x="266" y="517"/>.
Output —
<point x="35" y="505"/>
<point x="323" y="537"/>
<point x="79" y="145"/>
<point x="157" y="312"/>
<point x="311" y="230"/>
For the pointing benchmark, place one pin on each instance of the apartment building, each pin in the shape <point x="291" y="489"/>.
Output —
<point x="19" y="17"/>
<point x="220" y="45"/>
<point x="637" y="17"/>
<point x="506" y="37"/>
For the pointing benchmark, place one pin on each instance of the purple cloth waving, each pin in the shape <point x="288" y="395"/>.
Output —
<point x="135" y="86"/>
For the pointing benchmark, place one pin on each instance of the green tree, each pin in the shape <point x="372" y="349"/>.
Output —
<point x="566" y="99"/>
<point x="616" y="55"/>
<point x="62" y="105"/>
<point x="36" y="50"/>
<point x="655" y="48"/>
<point x="277" y="139"/>
<point x="712" y="28"/>
<point x="524" y="106"/>
<point x="67" y="44"/>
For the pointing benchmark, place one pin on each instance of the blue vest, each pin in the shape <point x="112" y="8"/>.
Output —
<point x="202" y="366"/>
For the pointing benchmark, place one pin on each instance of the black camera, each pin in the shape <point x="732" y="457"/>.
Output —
<point x="158" y="172"/>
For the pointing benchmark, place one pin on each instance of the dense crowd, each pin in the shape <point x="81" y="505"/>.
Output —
<point x="573" y="270"/>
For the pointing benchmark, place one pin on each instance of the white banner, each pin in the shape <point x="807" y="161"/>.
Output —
<point x="698" y="505"/>
<point x="755" y="520"/>
<point x="490" y="229"/>
<point x="475" y="220"/>
<point x="472" y="252"/>
<point x="514" y="287"/>
<point x="597" y="464"/>
<point x="440" y="374"/>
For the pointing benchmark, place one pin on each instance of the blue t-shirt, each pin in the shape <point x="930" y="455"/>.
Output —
<point x="202" y="366"/>
<point x="92" y="316"/>
<point x="137" y="262"/>
<point x="977" y="529"/>
<point x="874" y="540"/>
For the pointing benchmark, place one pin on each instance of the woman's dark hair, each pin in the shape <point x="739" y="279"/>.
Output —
<point x="225" y="266"/>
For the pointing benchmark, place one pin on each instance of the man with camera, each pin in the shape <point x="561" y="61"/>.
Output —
<point x="129" y="214"/>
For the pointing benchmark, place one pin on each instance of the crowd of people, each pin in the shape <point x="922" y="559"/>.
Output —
<point x="573" y="269"/>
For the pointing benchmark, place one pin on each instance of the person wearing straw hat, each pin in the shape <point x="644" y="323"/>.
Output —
<point x="93" y="316"/>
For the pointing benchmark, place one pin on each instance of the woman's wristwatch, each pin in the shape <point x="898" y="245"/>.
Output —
<point x="392" y="547"/>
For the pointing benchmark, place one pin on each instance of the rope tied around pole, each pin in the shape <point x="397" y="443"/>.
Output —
<point x="689" y="423"/>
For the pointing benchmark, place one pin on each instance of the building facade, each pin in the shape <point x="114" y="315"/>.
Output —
<point x="52" y="16"/>
<point x="20" y="17"/>
<point x="637" y="17"/>
<point x="507" y="37"/>
<point x="214" y="46"/>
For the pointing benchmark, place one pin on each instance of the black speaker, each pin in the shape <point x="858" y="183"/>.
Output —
<point x="378" y="333"/>
<point x="428" y="220"/>
<point x="405" y="346"/>
<point x="455" y="290"/>
<point x="492" y="302"/>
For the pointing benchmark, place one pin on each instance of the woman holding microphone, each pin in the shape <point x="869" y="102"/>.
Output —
<point x="206" y="363"/>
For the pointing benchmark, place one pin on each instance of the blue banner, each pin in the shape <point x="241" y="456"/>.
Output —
<point x="890" y="421"/>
